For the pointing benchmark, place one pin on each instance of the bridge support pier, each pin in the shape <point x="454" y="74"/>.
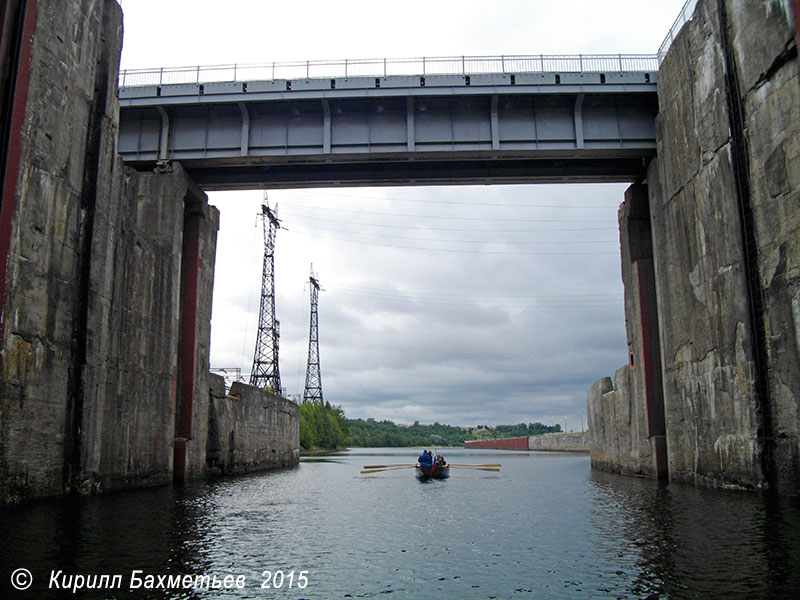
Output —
<point x="195" y="209"/>
<point x="644" y="344"/>
<point x="190" y="268"/>
<point x="627" y="417"/>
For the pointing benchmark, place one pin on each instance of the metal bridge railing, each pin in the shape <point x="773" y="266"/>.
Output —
<point x="385" y="67"/>
<point x="685" y="15"/>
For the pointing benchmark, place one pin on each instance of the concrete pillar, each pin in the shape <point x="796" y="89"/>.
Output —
<point x="187" y="344"/>
<point x="650" y="352"/>
<point x="642" y="316"/>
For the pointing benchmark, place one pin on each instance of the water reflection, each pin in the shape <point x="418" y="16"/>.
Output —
<point x="544" y="527"/>
<point x="696" y="542"/>
<point x="116" y="533"/>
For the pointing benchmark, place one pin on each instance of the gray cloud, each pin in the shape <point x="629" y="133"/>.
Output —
<point x="510" y="319"/>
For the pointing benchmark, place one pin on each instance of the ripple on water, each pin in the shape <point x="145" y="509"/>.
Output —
<point x="544" y="527"/>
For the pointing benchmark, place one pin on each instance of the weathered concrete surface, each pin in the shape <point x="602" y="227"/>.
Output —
<point x="638" y="395"/>
<point x="560" y="442"/>
<point x="90" y="341"/>
<point x="618" y="440"/>
<point x="196" y="448"/>
<point x="129" y="390"/>
<point x="92" y="306"/>
<point x="250" y="429"/>
<point x="766" y="53"/>
<point x="717" y="428"/>
<point x="723" y="198"/>
<point x="68" y="134"/>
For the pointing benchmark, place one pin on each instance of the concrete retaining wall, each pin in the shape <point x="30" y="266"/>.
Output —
<point x="725" y="218"/>
<point x="129" y="376"/>
<point x="723" y="178"/>
<point x="93" y="311"/>
<point x="765" y="50"/>
<point x="520" y="443"/>
<point x="618" y="442"/>
<point x="63" y="174"/>
<point x="249" y="429"/>
<point x="555" y="442"/>
<point x="707" y="339"/>
<point x="560" y="442"/>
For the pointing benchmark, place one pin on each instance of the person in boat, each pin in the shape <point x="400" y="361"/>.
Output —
<point x="440" y="461"/>
<point x="424" y="459"/>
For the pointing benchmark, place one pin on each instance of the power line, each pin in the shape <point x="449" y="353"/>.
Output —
<point x="461" y="229"/>
<point x="540" y="301"/>
<point x="456" y="217"/>
<point x="453" y="250"/>
<point x="250" y="295"/>
<point x="450" y="294"/>
<point x="464" y="303"/>
<point x="452" y="241"/>
<point x="457" y="202"/>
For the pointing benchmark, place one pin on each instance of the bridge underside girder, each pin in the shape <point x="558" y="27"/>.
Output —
<point x="216" y="176"/>
<point x="242" y="136"/>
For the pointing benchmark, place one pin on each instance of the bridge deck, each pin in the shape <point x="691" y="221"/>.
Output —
<point x="396" y="130"/>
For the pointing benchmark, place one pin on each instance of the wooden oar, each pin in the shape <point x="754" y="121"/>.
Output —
<point x="389" y="467"/>
<point x="482" y="465"/>
<point x="380" y="470"/>
<point x="477" y="468"/>
<point x="385" y="466"/>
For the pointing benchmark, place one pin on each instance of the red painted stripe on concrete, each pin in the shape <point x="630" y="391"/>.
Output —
<point x="179" y="460"/>
<point x="190" y="275"/>
<point x="651" y="364"/>
<point x="14" y="155"/>
<point x="520" y="443"/>
<point x="650" y="354"/>
<point x="796" y="10"/>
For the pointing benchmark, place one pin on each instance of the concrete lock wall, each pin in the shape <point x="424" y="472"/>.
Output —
<point x="130" y="375"/>
<point x="249" y="429"/>
<point x="62" y="131"/>
<point x="104" y="351"/>
<point x="549" y="442"/>
<point x="617" y="412"/>
<point x="519" y="443"/>
<point x="560" y="442"/>
<point x="723" y="202"/>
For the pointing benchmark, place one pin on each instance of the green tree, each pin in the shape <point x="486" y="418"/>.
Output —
<point x="370" y="433"/>
<point x="322" y="426"/>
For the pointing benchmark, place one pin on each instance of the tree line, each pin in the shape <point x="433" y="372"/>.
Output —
<point x="371" y="433"/>
<point x="324" y="426"/>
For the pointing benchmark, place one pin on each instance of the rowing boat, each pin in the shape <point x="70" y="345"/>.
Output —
<point x="428" y="471"/>
<point x="433" y="471"/>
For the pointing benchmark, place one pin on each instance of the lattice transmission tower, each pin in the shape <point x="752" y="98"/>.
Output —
<point x="313" y="389"/>
<point x="265" y="373"/>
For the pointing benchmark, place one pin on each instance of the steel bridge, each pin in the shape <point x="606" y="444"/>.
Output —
<point x="502" y="119"/>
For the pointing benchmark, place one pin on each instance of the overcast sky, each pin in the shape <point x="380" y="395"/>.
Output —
<point x="459" y="304"/>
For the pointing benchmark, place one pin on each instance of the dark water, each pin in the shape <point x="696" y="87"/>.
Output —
<point x="546" y="526"/>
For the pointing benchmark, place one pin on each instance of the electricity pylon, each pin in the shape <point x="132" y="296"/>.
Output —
<point x="313" y="389"/>
<point x="265" y="373"/>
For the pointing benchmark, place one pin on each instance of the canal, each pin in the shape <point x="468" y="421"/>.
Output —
<point x="545" y="526"/>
